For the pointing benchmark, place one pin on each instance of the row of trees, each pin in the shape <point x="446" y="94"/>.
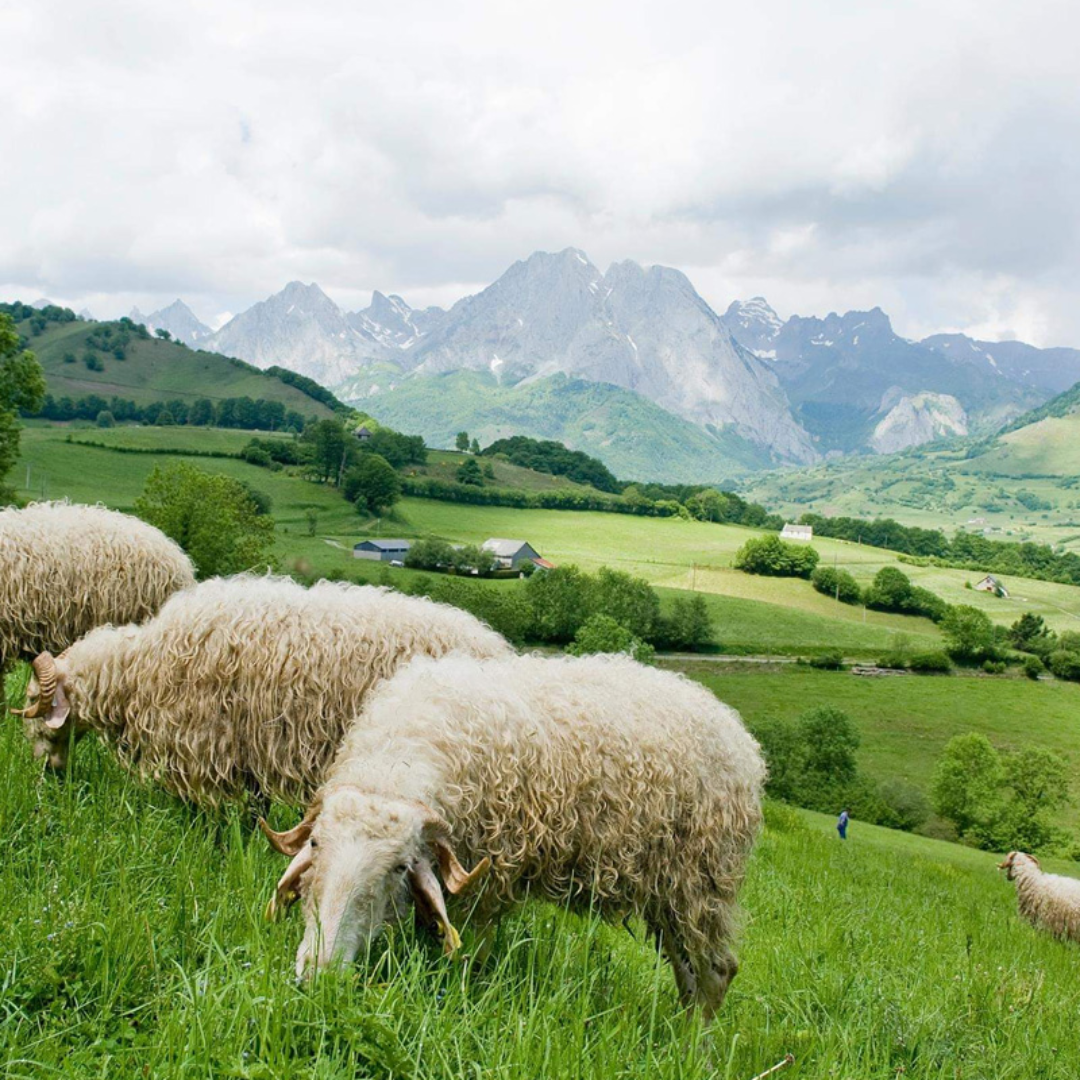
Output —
<point x="245" y="413"/>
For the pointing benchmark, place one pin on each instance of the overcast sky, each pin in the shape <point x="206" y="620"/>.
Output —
<point x="924" y="157"/>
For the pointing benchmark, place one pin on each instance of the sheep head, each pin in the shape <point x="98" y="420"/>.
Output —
<point x="1014" y="860"/>
<point x="47" y="716"/>
<point x="362" y="863"/>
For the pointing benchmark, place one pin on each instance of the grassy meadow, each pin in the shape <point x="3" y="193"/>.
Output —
<point x="132" y="943"/>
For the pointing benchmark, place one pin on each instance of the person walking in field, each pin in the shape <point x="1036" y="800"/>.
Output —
<point x="842" y="824"/>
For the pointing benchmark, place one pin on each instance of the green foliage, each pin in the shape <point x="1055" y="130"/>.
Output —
<point x="468" y="472"/>
<point x="603" y="634"/>
<point x="400" y="450"/>
<point x="833" y="660"/>
<point x="561" y="599"/>
<point x="687" y="625"/>
<point x="330" y="450"/>
<point x="105" y="419"/>
<point x="629" y="600"/>
<point x="1033" y="667"/>
<point x="311" y="516"/>
<point x="1031" y="634"/>
<point x="836" y="583"/>
<point x="461" y="441"/>
<point x="967" y="785"/>
<point x="969" y="633"/>
<point x="429" y="553"/>
<point x="904" y="805"/>
<point x="934" y="661"/>
<point x="214" y="518"/>
<point x="509" y="613"/>
<point x="773" y="556"/>
<point x="22" y="388"/>
<point x="548" y="456"/>
<point x="1065" y="664"/>
<point x="372" y="483"/>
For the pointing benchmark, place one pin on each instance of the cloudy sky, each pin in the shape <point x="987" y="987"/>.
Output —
<point x="828" y="154"/>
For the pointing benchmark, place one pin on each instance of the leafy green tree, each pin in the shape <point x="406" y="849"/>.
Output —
<point x="213" y="518"/>
<point x="603" y="634"/>
<point x="561" y="600"/>
<point x="630" y="601"/>
<point x="890" y="590"/>
<point x="373" y="484"/>
<point x="773" y="556"/>
<point x="330" y="450"/>
<point x="969" y="633"/>
<point x="474" y="446"/>
<point x="468" y="472"/>
<point x="163" y="334"/>
<point x="708" y="505"/>
<point x="431" y="553"/>
<point x="831" y="741"/>
<point x="688" y="625"/>
<point x="312" y="517"/>
<point x="838" y="584"/>
<point x="966" y="788"/>
<point x="1039" y="782"/>
<point x="469" y="557"/>
<point x="105" y="419"/>
<point x="462" y="441"/>
<point x="22" y="387"/>
<point x="165" y="419"/>
<point x="1064" y="664"/>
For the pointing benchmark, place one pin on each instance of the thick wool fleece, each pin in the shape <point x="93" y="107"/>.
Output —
<point x="594" y="782"/>
<point x="1048" y="901"/>
<point x="65" y="570"/>
<point x="248" y="682"/>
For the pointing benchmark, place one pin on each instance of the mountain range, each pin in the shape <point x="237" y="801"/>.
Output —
<point x="757" y="389"/>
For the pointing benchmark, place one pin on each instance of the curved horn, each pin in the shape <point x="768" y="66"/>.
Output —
<point x="288" y="888"/>
<point x="437" y="833"/>
<point x="291" y="840"/>
<point x="45" y="670"/>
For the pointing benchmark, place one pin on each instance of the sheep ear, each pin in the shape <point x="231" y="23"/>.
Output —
<point x="436" y="833"/>
<point x="60" y="711"/>
<point x="430" y="905"/>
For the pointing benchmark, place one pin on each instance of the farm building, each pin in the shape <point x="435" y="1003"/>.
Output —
<point x="511" y="554"/>
<point x="804" y="533"/>
<point x="381" y="550"/>
<point x="362" y="433"/>
<point x="991" y="584"/>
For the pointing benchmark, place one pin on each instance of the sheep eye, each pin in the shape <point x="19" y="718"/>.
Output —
<point x="401" y="868"/>
<point x="314" y="844"/>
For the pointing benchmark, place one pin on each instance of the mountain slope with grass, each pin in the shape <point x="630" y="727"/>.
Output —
<point x="634" y="437"/>
<point x="79" y="358"/>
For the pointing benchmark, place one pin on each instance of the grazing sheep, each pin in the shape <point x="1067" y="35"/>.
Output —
<point x="1048" y="901"/>
<point x="65" y="569"/>
<point x="241" y="683"/>
<point x="594" y="782"/>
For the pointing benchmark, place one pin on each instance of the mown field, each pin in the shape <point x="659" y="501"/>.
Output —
<point x="132" y="943"/>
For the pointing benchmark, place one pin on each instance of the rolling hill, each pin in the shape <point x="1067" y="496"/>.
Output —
<point x="153" y="370"/>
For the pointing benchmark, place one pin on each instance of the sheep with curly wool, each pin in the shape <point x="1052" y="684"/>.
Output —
<point x="240" y="683"/>
<point x="66" y="569"/>
<point x="1048" y="901"/>
<point x="594" y="782"/>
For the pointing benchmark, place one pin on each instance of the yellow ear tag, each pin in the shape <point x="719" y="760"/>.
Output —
<point x="451" y="939"/>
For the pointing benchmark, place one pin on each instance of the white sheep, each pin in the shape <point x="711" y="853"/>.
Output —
<point x="1048" y="901"/>
<point x="241" y="683"/>
<point x="65" y="569"/>
<point x="594" y="782"/>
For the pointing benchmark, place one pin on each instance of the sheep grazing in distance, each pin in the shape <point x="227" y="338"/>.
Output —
<point x="66" y="569"/>
<point x="594" y="782"/>
<point x="240" y="684"/>
<point x="1048" y="901"/>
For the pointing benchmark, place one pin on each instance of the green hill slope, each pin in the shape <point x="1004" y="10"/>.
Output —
<point x="132" y="943"/>
<point x="635" y="438"/>
<point x="155" y="370"/>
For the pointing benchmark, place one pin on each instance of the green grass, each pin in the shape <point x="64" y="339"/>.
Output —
<point x="905" y="721"/>
<point x="132" y="944"/>
<point x="444" y="464"/>
<point x="155" y="371"/>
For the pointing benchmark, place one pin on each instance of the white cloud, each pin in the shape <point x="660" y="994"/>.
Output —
<point x="827" y="156"/>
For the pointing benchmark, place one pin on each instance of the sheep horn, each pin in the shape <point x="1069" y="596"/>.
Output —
<point x="456" y="877"/>
<point x="292" y="840"/>
<point x="45" y="670"/>
<point x="288" y="888"/>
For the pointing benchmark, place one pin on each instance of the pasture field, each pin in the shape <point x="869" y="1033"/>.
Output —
<point x="905" y="721"/>
<point x="444" y="464"/>
<point x="132" y="943"/>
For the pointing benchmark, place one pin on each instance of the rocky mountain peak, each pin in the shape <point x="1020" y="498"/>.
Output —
<point x="754" y="325"/>
<point x="178" y="319"/>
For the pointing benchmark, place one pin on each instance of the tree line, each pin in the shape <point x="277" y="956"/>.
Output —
<point x="245" y="413"/>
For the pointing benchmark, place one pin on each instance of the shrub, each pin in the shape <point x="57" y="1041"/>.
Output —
<point x="906" y="807"/>
<point x="1065" y="664"/>
<point x="934" y="661"/>
<point x="994" y="667"/>
<point x="829" y="661"/>
<point x="469" y="472"/>
<point x="105" y="419"/>
<point x="836" y="583"/>
<point x="254" y="454"/>
<point x="772" y="556"/>
<point x="969" y="634"/>
<point x="603" y="634"/>
<point x="893" y="659"/>
<point x="430" y="553"/>
<point x="1033" y="667"/>
<point x="688" y="625"/>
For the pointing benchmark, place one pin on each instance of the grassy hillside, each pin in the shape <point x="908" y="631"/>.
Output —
<point x="443" y="465"/>
<point x="154" y="370"/>
<point x="635" y="438"/>
<point x="132" y="944"/>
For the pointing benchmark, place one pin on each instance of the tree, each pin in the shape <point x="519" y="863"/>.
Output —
<point x="165" y="419"/>
<point x="468" y="472"/>
<point x="163" y="334"/>
<point x="1031" y="634"/>
<point x="430" y="553"/>
<point x="561" y="601"/>
<point x="372" y="483"/>
<point x="603" y="634"/>
<point x="773" y="556"/>
<point x="831" y="741"/>
<point x="474" y="446"/>
<point x="462" y="441"/>
<point x="201" y="413"/>
<point x="890" y="591"/>
<point x="331" y="450"/>
<point x="966" y="788"/>
<point x="836" y="583"/>
<point x="689" y="625"/>
<point x="1039" y="781"/>
<point x="630" y="601"/>
<point x="22" y="387"/>
<point x="312" y="518"/>
<point x="213" y="518"/>
<point x="708" y="505"/>
<point x="969" y="633"/>
<point x="105" y="419"/>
